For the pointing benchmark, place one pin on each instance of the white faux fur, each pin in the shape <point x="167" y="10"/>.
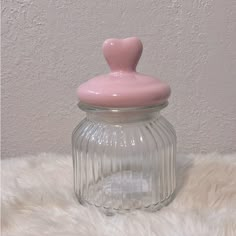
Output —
<point x="38" y="199"/>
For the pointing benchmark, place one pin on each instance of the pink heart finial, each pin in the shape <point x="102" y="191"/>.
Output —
<point x="122" y="54"/>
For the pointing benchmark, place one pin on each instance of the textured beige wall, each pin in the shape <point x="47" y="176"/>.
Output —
<point x="49" y="47"/>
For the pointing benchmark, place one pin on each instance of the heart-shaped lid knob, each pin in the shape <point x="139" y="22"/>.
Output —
<point x="123" y="86"/>
<point x="122" y="55"/>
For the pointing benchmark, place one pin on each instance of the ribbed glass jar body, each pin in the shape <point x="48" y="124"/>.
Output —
<point x="124" y="159"/>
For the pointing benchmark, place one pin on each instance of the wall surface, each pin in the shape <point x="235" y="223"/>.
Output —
<point x="50" y="47"/>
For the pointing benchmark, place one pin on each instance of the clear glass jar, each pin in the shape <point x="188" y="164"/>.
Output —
<point x="124" y="158"/>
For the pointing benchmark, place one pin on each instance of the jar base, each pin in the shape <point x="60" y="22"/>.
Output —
<point x="126" y="191"/>
<point x="109" y="211"/>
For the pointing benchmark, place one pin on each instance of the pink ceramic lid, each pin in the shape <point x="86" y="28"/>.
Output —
<point x="123" y="86"/>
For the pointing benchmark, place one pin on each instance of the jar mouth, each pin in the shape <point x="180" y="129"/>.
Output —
<point x="90" y="108"/>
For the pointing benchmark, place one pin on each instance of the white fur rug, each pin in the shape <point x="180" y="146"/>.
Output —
<point x="38" y="199"/>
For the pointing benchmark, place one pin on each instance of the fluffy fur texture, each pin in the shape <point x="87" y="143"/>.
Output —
<point x="38" y="199"/>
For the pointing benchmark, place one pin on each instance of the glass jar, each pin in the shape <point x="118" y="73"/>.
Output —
<point x="124" y="150"/>
<point x="124" y="159"/>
